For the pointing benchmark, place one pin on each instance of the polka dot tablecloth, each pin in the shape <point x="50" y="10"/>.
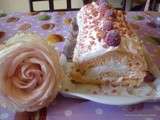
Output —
<point x="59" y="23"/>
<point x="75" y="109"/>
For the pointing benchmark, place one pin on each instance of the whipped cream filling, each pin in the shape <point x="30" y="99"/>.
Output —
<point x="113" y="66"/>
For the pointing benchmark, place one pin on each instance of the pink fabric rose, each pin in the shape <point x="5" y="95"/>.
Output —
<point x="30" y="73"/>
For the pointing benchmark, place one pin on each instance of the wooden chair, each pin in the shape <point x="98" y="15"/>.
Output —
<point x="122" y="2"/>
<point x="52" y="8"/>
<point x="50" y="2"/>
<point x="149" y="5"/>
<point x="69" y="7"/>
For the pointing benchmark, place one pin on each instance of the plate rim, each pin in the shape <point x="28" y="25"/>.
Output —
<point x="111" y="100"/>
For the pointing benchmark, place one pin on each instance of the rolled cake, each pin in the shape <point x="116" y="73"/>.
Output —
<point x="107" y="51"/>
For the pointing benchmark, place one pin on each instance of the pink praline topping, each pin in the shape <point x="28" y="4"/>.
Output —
<point x="109" y="13"/>
<point x="102" y="9"/>
<point x="112" y="38"/>
<point x="107" y="25"/>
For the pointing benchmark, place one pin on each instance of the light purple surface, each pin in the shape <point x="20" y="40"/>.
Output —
<point x="75" y="109"/>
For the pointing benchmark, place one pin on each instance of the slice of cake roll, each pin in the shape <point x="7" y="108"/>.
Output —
<point x="107" y="51"/>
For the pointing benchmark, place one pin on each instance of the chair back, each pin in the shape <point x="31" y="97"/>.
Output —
<point x="152" y="5"/>
<point x="32" y="9"/>
<point x="52" y="5"/>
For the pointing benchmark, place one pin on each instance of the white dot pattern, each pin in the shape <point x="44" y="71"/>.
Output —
<point x="157" y="108"/>
<point x="99" y="111"/>
<point x="68" y="113"/>
<point x="149" y="119"/>
<point x="4" y="116"/>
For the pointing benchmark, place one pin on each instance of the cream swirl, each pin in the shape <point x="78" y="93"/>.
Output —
<point x="30" y="73"/>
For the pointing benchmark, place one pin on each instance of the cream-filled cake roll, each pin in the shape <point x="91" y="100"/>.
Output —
<point x="107" y="51"/>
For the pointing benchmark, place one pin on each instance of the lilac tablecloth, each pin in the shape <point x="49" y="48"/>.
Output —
<point x="71" y="109"/>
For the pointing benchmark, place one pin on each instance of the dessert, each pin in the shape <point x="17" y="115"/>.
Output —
<point x="107" y="51"/>
<point x="31" y="74"/>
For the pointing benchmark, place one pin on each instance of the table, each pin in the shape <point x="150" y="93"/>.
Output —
<point x="70" y="109"/>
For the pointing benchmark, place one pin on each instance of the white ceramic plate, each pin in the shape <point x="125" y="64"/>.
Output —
<point x="110" y="100"/>
<point x="104" y="94"/>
